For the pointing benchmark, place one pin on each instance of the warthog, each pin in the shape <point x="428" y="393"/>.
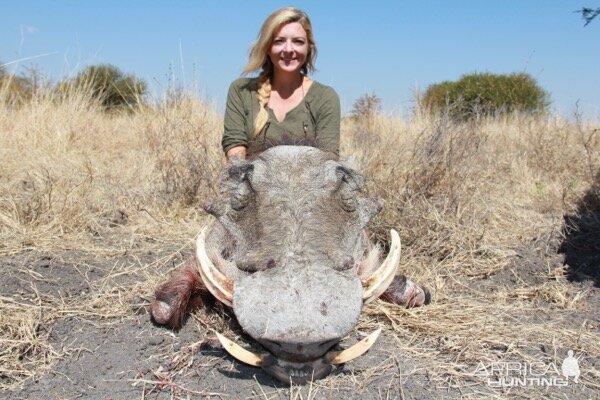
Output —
<point x="290" y="255"/>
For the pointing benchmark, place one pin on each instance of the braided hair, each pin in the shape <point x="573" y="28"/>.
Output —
<point x="263" y="93"/>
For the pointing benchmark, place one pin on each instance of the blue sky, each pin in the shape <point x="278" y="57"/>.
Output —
<point x="390" y="48"/>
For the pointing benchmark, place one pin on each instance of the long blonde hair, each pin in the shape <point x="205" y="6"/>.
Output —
<point x="259" y="56"/>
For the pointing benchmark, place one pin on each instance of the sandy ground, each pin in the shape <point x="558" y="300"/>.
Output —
<point x="125" y="356"/>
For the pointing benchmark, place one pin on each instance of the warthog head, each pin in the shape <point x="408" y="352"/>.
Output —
<point x="289" y="254"/>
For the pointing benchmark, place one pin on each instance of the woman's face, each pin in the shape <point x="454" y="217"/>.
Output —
<point x="289" y="48"/>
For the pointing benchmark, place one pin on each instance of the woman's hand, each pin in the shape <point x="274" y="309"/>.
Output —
<point x="237" y="151"/>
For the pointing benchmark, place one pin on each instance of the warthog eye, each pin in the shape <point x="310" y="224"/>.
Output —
<point x="348" y="202"/>
<point x="348" y="263"/>
<point x="240" y="198"/>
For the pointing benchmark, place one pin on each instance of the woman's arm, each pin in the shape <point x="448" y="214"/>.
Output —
<point x="328" y="122"/>
<point x="235" y="137"/>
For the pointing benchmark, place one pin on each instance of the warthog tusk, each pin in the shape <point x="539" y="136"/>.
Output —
<point x="218" y="284"/>
<point x="238" y="352"/>
<point x="380" y="280"/>
<point x="360" y="348"/>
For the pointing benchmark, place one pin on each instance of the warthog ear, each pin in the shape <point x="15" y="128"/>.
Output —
<point x="349" y="182"/>
<point x="235" y="181"/>
<point x="354" y="181"/>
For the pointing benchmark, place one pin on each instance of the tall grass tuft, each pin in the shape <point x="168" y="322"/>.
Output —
<point x="71" y="170"/>
<point x="469" y="193"/>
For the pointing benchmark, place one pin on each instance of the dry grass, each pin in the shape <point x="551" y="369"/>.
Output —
<point x="465" y="199"/>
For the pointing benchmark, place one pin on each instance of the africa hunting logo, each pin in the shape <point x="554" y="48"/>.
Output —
<point x="514" y="373"/>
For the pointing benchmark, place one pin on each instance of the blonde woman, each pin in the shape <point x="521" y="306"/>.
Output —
<point x="282" y="104"/>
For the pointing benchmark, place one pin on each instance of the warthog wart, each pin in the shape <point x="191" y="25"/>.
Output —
<point x="289" y="254"/>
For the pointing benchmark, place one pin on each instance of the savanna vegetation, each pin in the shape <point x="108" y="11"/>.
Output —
<point x="485" y="94"/>
<point x="103" y="83"/>
<point x="480" y="205"/>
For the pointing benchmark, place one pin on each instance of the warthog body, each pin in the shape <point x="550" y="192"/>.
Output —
<point x="289" y="254"/>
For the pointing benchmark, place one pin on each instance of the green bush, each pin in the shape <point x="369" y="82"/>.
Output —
<point x="107" y="84"/>
<point x="484" y="94"/>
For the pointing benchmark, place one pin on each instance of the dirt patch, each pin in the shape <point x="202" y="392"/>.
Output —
<point x="92" y="316"/>
<point x="127" y="356"/>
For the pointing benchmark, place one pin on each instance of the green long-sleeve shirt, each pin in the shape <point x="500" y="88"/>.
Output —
<point x="315" y="120"/>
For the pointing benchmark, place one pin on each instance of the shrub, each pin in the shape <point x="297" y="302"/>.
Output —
<point x="14" y="89"/>
<point x="486" y="94"/>
<point x="107" y="84"/>
<point x="366" y="107"/>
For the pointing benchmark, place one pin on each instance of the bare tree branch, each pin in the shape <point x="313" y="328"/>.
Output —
<point x="588" y="14"/>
